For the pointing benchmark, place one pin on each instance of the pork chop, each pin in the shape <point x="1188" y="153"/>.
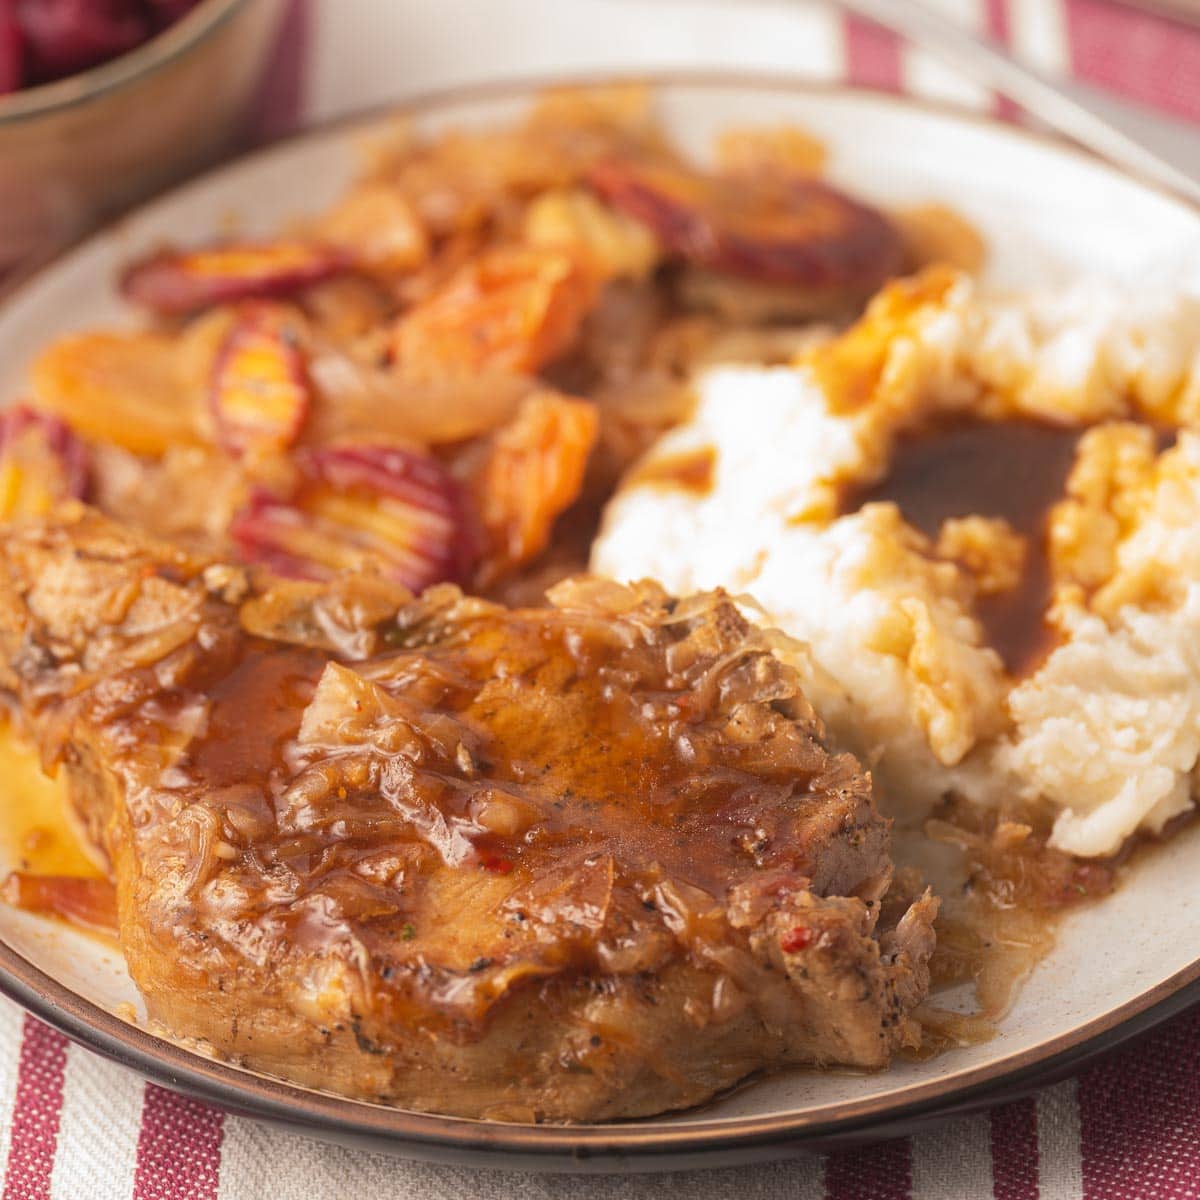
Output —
<point x="578" y="862"/>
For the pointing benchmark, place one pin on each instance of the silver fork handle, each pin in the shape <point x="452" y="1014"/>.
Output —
<point x="1150" y="145"/>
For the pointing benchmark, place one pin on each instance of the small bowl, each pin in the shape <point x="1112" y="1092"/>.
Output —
<point x="76" y="151"/>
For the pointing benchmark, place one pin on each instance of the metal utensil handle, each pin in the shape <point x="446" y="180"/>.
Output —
<point x="1070" y="112"/>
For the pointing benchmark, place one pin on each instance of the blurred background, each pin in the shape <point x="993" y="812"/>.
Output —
<point x="106" y="101"/>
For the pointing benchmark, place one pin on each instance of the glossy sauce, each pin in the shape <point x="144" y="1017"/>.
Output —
<point x="1002" y="889"/>
<point x="255" y="712"/>
<point x="583" y="736"/>
<point x="1016" y="470"/>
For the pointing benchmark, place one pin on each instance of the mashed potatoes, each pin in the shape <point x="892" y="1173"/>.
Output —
<point x="1105" y="727"/>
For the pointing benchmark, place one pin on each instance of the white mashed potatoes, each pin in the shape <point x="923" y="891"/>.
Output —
<point x="1105" y="726"/>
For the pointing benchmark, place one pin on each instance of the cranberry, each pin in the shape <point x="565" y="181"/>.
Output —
<point x="43" y="40"/>
<point x="496" y="864"/>
<point x="65" y="36"/>
<point x="166" y="12"/>
<point x="799" y="938"/>
<point x="12" y="48"/>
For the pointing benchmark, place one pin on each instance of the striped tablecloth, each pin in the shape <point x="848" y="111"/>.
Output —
<point x="1128" y="1128"/>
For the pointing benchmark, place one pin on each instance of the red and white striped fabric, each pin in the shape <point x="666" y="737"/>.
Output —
<point x="73" y="1126"/>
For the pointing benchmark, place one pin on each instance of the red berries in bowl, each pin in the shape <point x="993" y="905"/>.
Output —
<point x="44" y="40"/>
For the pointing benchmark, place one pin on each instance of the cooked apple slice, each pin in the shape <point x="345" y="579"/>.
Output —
<point x="795" y="230"/>
<point x="41" y="463"/>
<point x="176" y="282"/>
<point x="379" y="228"/>
<point x="139" y="391"/>
<point x="533" y="470"/>
<point x="385" y="508"/>
<point x="510" y="309"/>
<point x="260" y="391"/>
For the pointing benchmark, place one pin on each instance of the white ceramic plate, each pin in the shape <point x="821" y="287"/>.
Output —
<point x="1048" y="213"/>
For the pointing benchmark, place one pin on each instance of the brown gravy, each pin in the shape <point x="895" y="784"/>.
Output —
<point x="1015" y="470"/>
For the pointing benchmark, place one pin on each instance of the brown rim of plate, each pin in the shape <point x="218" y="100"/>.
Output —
<point x="647" y="1144"/>
<point x="642" y="1144"/>
<point x="193" y="28"/>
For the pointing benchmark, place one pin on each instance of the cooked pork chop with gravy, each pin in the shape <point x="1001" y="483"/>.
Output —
<point x="578" y="862"/>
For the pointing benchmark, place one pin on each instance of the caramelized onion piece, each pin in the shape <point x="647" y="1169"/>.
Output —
<point x="260" y="391"/>
<point x="174" y="282"/>
<point x="41" y="463"/>
<point x="796" y="230"/>
<point x="359" y="402"/>
<point x="390" y="509"/>
<point x="345" y="616"/>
